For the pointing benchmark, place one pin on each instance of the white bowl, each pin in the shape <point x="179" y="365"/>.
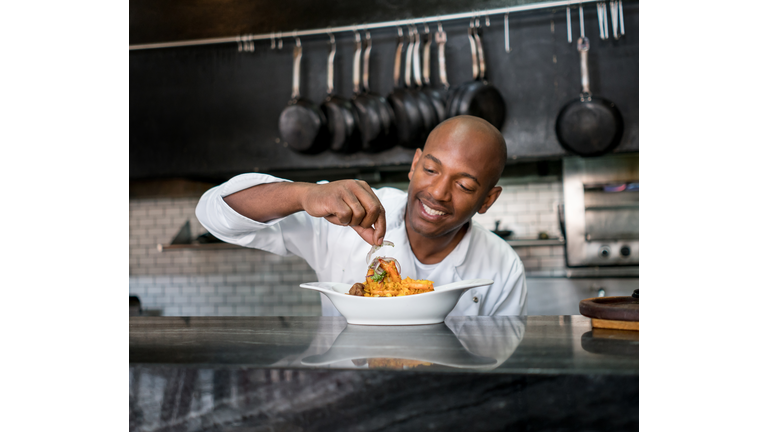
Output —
<point x="426" y="308"/>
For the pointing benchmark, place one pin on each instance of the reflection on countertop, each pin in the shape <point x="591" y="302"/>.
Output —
<point x="545" y="344"/>
<point x="318" y="373"/>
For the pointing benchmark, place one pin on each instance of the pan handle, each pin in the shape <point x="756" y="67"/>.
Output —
<point x="472" y="47"/>
<point x="356" y="64"/>
<point x="366" y="60"/>
<point x="417" y="57"/>
<point x="409" y="59"/>
<point x="583" y="47"/>
<point x="331" y="56"/>
<point x="296" y="69"/>
<point x="398" y="57"/>
<point x="480" y="52"/>
<point x="426" y="57"/>
<point x="441" y="39"/>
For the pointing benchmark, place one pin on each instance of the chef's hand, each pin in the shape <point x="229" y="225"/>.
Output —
<point x="349" y="203"/>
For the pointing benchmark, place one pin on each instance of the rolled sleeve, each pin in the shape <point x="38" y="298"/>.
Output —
<point x="232" y="227"/>
<point x="298" y="234"/>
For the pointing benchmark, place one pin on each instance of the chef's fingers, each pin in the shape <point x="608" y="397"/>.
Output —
<point x="381" y="216"/>
<point x="340" y="213"/>
<point x="352" y="200"/>
<point x="381" y="228"/>
<point x="371" y="203"/>
<point x="368" y="234"/>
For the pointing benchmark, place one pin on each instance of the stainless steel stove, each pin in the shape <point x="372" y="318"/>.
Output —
<point x="601" y="213"/>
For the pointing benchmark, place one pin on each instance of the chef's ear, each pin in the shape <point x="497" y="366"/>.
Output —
<point x="416" y="157"/>
<point x="490" y="198"/>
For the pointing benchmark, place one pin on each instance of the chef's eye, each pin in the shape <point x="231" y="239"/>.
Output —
<point x="466" y="189"/>
<point x="430" y="171"/>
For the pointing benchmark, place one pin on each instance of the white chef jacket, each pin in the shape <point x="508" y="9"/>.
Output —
<point x="337" y="253"/>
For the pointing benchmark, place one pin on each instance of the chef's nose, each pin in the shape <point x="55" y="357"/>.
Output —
<point x="441" y="189"/>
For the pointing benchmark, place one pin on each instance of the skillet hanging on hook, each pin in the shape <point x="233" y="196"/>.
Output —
<point x="342" y="119"/>
<point x="302" y="124"/>
<point x="588" y="125"/>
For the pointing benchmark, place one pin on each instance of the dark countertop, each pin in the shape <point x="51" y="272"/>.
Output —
<point x="318" y="373"/>
<point x="543" y="344"/>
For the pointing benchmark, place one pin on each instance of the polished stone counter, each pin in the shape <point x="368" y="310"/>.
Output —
<point x="318" y="373"/>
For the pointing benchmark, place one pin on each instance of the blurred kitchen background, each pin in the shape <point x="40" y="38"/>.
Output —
<point x="203" y="113"/>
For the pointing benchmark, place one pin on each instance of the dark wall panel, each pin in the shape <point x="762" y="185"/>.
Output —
<point x="210" y="112"/>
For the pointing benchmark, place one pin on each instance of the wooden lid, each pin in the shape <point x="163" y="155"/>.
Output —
<point x="611" y="308"/>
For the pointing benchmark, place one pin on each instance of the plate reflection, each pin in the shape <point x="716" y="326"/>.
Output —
<point x="461" y="343"/>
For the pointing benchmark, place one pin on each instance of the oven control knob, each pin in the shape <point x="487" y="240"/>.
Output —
<point x="605" y="251"/>
<point x="625" y="251"/>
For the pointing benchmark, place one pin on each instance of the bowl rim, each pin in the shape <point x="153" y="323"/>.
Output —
<point x="454" y="286"/>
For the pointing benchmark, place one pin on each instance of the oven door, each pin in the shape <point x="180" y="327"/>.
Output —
<point x="602" y="209"/>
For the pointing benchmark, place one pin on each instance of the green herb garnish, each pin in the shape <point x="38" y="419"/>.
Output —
<point x="378" y="277"/>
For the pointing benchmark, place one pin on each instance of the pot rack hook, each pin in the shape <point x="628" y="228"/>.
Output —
<point x="614" y="18"/>
<point x="426" y="26"/>
<point x="487" y="18"/>
<point x="506" y="32"/>
<point x="251" y="45"/>
<point x="296" y="38"/>
<point x="239" y="44"/>
<point x="602" y="15"/>
<point x="399" y="30"/>
<point x="272" y="40"/>
<point x="621" y="19"/>
<point x="332" y="38"/>
<point x="568" y="23"/>
<point x="280" y="40"/>
<point x="581" y="20"/>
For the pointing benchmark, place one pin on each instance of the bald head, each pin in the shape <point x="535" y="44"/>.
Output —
<point x="480" y="137"/>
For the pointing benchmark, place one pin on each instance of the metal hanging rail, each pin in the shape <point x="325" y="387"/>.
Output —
<point x="404" y="22"/>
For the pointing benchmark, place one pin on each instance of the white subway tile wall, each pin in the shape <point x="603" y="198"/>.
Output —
<point x="250" y="282"/>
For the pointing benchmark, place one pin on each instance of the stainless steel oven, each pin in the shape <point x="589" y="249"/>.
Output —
<point x="601" y="198"/>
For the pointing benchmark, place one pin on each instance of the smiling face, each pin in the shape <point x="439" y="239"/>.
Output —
<point x="454" y="177"/>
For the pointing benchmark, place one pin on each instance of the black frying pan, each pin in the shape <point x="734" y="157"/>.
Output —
<point x="302" y="124"/>
<point x="436" y="97"/>
<point x="404" y="104"/>
<point x="371" y="122"/>
<point x="479" y="98"/>
<point x="454" y="94"/>
<point x="427" y="113"/>
<point x="388" y="133"/>
<point x="343" y="133"/>
<point x="589" y="125"/>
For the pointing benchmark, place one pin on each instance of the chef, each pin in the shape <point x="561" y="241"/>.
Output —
<point x="333" y="226"/>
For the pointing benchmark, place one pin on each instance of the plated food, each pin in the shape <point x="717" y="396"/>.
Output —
<point x="383" y="280"/>
<point x="387" y="299"/>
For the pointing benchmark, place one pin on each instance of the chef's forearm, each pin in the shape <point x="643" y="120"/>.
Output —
<point x="270" y="201"/>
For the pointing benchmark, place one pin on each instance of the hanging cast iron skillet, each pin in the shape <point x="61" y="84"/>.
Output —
<point x="372" y="125"/>
<point x="343" y="133"/>
<point x="424" y="103"/>
<point x="454" y="93"/>
<point x="388" y="134"/>
<point x="302" y="124"/>
<point x="436" y="97"/>
<point x="404" y="105"/>
<point x="480" y="98"/>
<point x="589" y="125"/>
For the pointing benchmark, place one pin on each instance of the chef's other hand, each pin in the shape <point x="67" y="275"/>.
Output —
<point x="349" y="203"/>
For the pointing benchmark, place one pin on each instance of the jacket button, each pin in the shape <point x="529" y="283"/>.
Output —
<point x="475" y="299"/>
